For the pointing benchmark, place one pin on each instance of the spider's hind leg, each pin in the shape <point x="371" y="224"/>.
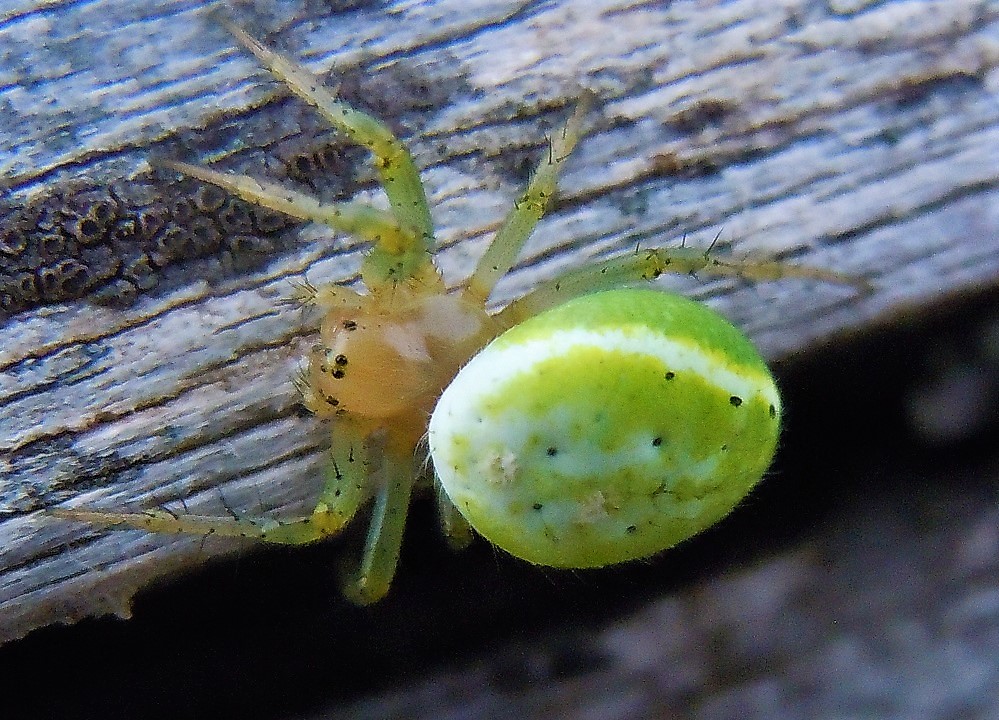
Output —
<point x="646" y="265"/>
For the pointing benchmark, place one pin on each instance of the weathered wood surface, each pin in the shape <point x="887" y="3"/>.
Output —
<point x="860" y="136"/>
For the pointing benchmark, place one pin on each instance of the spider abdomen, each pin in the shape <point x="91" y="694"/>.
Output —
<point x="607" y="429"/>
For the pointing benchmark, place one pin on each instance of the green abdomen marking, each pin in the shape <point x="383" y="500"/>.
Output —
<point x="607" y="429"/>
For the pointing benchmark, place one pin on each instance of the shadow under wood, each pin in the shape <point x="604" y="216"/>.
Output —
<point x="268" y="635"/>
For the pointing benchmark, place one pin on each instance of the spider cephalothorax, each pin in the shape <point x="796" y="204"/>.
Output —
<point x="582" y="425"/>
<point x="385" y="357"/>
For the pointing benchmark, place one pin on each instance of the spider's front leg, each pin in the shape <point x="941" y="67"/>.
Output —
<point x="346" y="488"/>
<point x="362" y="468"/>
<point x="402" y="238"/>
<point x="395" y="165"/>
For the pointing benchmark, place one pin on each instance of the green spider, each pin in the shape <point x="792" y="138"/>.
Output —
<point x="584" y="424"/>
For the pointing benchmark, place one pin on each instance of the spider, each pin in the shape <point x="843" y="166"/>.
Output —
<point x="585" y="424"/>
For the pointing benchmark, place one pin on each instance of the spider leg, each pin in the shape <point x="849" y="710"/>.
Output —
<point x="390" y="259"/>
<point x="527" y="209"/>
<point x="392" y="473"/>
<point x="646" y="265"/>
<point x="345" y="490"/>
<point x="358" y="219"/>
<point x="300" y="530"/>
<point x="453" y="524"/>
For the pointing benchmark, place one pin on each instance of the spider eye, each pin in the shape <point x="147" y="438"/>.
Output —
<point x="607" y="429"/>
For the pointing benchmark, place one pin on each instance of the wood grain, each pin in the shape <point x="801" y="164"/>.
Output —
<point x="859" y="136"/>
